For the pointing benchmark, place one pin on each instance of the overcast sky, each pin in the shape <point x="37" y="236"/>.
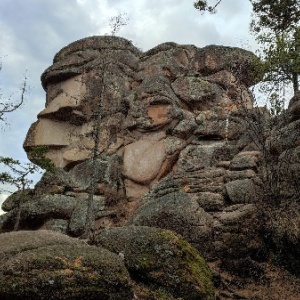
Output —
<point x="32" y="31"/>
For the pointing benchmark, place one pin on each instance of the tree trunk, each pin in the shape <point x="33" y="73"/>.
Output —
<point x="295" y="83"/>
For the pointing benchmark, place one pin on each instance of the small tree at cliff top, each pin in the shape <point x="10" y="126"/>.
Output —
<point x="277" y="28"/>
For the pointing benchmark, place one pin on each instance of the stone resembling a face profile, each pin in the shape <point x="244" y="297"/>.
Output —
<point x="155" y="106"/>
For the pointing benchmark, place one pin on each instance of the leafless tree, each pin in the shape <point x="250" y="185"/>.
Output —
<point x="9" y="105"/>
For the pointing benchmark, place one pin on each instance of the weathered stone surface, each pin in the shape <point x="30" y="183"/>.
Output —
<point x="69" y="98"/>
<point x="184" y="128"/>
<point x="159" y="114"/>
<point x="209" y="201"/>
<point x="212" y="59"/>
<point x="79" y="215"/>
<point x="196" y="179"/>
<point x="13" y="201"/>
<point x="106" y="171"/>
<point x="134" y="191"/>
<point x="245" y="160"/>
<point x="199" y="156"/>
<point x="58" y="225"/>
<point x="35" y="211"/>
<point x="242" y="191"/>
<point x="236" y="213"/>
<point x="285" y="236"/>
<point x="43" y="264"/>
<point x="53" y="182"/>
<point x="236" y="240"/>
<point x="143" y="160"/>
<point x="211" y="125"/>
<point x="284" y="143"/>
<point x="162" y="258"/>
<point x="177" y="212"/>
<point x="170" y="104"/>
<point x="19" y="241"/>
<point x="149" y="92"/>
<point x="187" y="88"/>
<point x="71" y="60"/>
<point x="239" y="175"/>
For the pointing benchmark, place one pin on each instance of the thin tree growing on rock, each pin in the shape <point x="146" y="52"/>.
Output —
<point x="115" y="24"/>
<point x="9" y="105"/>
<point x="17" y="176"/>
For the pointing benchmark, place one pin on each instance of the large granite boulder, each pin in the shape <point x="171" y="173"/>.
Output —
<point x="161" y="258"/>
<point x="128" y="263"/>
<point x="48" y="265"/>
<point x="177" y="212"/>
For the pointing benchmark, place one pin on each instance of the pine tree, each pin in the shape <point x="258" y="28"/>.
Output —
<point x="276" y="27"/>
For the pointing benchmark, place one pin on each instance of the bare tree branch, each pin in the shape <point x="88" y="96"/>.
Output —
<point x="7" y="105"/>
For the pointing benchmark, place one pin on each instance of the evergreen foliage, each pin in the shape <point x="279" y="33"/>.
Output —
<point x="276" y="27"/>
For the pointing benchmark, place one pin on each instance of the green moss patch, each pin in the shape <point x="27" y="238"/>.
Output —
<point x="161" y="258"/>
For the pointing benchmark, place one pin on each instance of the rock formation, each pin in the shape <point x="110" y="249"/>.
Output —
<point x="160" y="141"/>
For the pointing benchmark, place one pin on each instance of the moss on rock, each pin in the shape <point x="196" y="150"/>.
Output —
<point x="65" y="269"/>
<point x="160" y="258"/>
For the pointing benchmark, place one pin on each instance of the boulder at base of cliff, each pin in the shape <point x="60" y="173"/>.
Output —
<point x="48" y="265"/>
<point x="178" y="212"/>
<point x="161" y="260"/>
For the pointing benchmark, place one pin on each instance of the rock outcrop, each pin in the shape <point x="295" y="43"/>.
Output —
<point x="44" y="264"/>
<point x="47" y="265"/>
<point x="158" y="142"/>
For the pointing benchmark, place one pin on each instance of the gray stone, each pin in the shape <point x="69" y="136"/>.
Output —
<point x="58" y="225"/>
<point x="243" y="162"/>
<point x="160" y="257"/>
<point x="201" y="156"/>
<point x="236" y="214"/>
<point x="239" y="175"/>
<point x="79" y="216"/>
<point x="242" y="191"/>
<point x="42" y="263"/>
<point x="194" y="89"/>
<point x="212" y="59"/>
<point x="35" y="211"/>
<point x="209" y="201"/>
<point x="14" y="200"/>
<point x="177" y="212"/>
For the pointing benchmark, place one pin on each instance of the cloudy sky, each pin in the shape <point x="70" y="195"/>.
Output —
<point x="32" y="31"/>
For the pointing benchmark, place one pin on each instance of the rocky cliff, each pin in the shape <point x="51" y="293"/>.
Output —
<point x="188" y="188"/>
